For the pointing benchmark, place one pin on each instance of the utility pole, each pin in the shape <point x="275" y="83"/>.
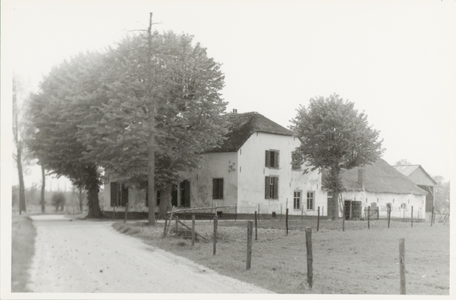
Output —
<point x="151" y="143"/>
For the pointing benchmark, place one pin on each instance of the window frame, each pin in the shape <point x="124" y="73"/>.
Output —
<point x="271" y="193"/>
<point x="217" y="188"/>
<point x="312" y="198"/>
<point x="272" y="159"/>
<point x="297" y="200"/>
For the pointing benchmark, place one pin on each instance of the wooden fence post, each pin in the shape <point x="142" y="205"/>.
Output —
<point x="249" y="244"/>
<point x="193" y="230"/>
<point x="256" y="226"/>
<point x="412" y="216"/>
<point x="215" y="233"/>
<point x="286" y="220"/>
<point x="164" y="230"/>
<point x="309" y="256"/>
<point x="402" y="264"/>
<point x="368" y="217"/>
<point x="389" y="216"/>
<point x="126" y="212"/>
<point x="318" y="219"/>
<point x="177" y="224"/>
<point x="432" y="215"/>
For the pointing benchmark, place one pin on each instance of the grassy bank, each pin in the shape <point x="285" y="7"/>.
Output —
<point x="23" y="240"/>
<point x="356" y="261"/>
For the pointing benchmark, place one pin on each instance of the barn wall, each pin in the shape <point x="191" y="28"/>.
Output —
<point x="381" y="199"/>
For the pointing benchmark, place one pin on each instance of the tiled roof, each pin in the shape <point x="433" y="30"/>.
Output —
<point x="242" y="126"/>
<point x="380" y="177"/>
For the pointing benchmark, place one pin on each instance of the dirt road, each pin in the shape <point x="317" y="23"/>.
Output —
<point x="75" y="256"/>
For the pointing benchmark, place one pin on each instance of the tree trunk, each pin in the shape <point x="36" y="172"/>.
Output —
<point x="333" y="205"/>
<point x="92" y="187"/>
<point x="165" y="200"/>
<point x="80" y="199"/>
<point x="22" y="205"/>
<point x="333" y="210"/>
<point x="43" y="185"/>
<point x="152" y="201"/>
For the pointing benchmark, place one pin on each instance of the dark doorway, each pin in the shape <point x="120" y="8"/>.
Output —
<point x="348" y="207"/>
<point x="356" y="209"/>
<point x="174" y="195"/>
<point x="185" y="193"/>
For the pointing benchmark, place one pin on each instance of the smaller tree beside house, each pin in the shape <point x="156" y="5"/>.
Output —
<point x="334" y="137"/>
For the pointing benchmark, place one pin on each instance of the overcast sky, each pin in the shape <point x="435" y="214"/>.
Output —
<point x="396" y="60"/>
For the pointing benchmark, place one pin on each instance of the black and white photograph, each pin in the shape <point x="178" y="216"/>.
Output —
<point x="171" y="149"/>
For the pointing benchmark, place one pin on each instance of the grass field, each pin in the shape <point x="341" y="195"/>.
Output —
<point x="356" y="261"/>
<point x="23" y="237"/>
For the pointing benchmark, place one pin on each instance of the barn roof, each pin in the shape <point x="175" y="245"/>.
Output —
<point x="406" y="170"/>
<point x="380" y="177"/>
<point x="242" y="126"/>
<point x="409" y="169"/>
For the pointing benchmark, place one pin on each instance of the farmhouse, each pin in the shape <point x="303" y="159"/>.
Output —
<point x="423" y="180"/>
<point x="250" y="171"/>
<point x="381" y="185"/>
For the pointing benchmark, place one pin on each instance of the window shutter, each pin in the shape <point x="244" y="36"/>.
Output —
<point x="276" y="187"/>
<point x="220" y="186"/>
<point x="266" y="187"/>
<point x="267" y="162"/>
<point x="114" y="190"/>
<point x="124" y="194"/>
<point x="276" y="159"/>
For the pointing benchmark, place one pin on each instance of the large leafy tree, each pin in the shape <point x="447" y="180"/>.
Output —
<point x="55" y="114"/>
<point x="334" y="137"/>
<point x="93" y="112"/>
<point x="185" y="86"/>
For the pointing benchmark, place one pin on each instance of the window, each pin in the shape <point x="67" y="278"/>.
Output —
<point x="310" y="200"/>
<point x="119" y="194"/>
<point x="217" y="188"/>
<point x="272" y="159"/>
<point x="271" y="185"/>
<point x="297" y="200"/>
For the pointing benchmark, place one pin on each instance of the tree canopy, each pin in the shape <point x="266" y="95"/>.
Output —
<point x="55" y="116"/>
<point x="93" y="111"/>
<point x="334" y="136"/>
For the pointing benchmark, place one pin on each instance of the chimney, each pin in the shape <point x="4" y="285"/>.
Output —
<point x="234" y="111"/>
<point x="361" y="176"/>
